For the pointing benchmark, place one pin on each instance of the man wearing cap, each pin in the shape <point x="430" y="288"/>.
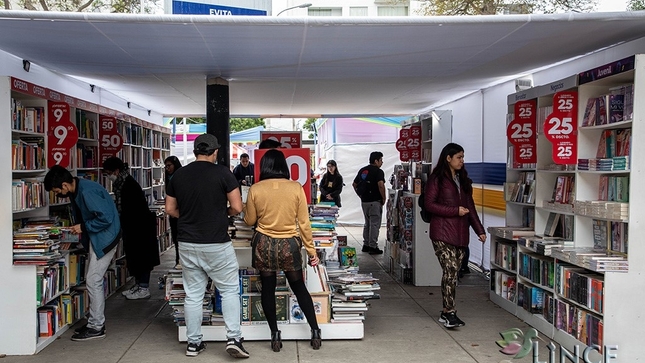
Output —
<point x="198" y="195"/>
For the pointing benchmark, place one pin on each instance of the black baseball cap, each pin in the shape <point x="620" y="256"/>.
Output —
<point x="206" y="143"/>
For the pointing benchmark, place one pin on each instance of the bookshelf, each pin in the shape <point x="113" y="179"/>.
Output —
<point x="408" y="254"/>
<point x="34" y="290"/>
<point x="573" y="298"/>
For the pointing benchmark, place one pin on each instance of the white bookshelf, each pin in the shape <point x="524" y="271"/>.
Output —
<point x="18" y="308"/>
<point x="622" y="316"/>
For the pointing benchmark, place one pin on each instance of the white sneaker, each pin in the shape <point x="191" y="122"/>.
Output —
<point x="140" y="293"/>
<point x="134" y="288"/>
<point x="177" y="266"/>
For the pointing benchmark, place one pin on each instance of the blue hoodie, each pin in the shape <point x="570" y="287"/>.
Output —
<point x="100" y="217"/>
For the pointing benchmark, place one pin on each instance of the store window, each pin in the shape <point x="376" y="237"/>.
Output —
<point x="392" y="11"/>
<point x="325" y="11"/>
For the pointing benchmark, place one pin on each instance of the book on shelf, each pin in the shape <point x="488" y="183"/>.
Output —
<point x="552" y="224"/>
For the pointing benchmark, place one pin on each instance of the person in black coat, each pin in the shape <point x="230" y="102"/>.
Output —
<point x="331" y="184"/>
<point x="139" y="226"/>
<point x="172" y="164"/>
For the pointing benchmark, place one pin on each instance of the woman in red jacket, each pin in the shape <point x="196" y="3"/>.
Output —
<point x="449" y="198"/>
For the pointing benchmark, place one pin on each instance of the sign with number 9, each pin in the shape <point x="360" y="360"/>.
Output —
<point x="62" y="134"/>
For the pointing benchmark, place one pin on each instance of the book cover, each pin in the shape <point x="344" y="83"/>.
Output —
<point x="601" y="118"/>
<point x="551" y="224"/>
<point x="616" y="107"/>
<point x="253" y="313"/>
<point x="347" y="256"/>
<point x="321" y="307"/>
<point x="591" y="110"/>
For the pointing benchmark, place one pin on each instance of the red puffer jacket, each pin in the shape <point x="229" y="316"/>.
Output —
<point x="443" y="199"/>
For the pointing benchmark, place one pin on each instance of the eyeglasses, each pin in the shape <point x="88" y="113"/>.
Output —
<point x="168" y="166"/>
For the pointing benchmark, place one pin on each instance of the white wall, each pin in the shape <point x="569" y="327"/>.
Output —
<point x="372" y="6"/>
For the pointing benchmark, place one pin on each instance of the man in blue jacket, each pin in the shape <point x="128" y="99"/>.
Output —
<point x="96" y="219"/>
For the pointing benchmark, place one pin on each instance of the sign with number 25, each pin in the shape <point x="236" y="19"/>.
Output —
<point x="62" y="134"/>
<point x="521" y="132"/>
<point x="561" y="127"/>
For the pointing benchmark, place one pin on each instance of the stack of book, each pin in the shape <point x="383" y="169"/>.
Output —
<point x="322" y="217"/>
<point x="241" y="233"/>
<point x="350" y="293"/>
<point x="512" y="233"/>
<point x="175" y="296"/>
<point x="36" y="246"/>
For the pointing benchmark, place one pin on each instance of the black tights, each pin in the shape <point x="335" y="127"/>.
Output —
<point x="299" y="289"/>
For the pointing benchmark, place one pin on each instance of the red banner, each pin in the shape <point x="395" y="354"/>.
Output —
<point x="561" y="127"/>
<point x="299" y="167"/>
<point x="288" y="139"/>
<point x="521" y="132"/>
<point x="110" y="142"/>
<point x="62" y="134"/>
<point x="409" y="144"/>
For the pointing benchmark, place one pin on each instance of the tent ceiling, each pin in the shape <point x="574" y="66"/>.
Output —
<point x="304" y="66"/>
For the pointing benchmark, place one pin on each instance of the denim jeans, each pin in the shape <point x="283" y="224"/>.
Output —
<point x="217" y="261"/>
<point x="96" y="269"/>
<point x="373" y="213"/>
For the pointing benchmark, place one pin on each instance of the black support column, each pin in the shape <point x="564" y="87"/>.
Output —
<point x="217" y="117"/>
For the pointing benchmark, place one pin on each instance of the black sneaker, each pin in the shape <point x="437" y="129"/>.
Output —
<point x="84" y="328"/>
<point x="375" y="251"/>
<point x="235" y="348"/>
<point x="450" y="320"/>
<point x="193" y="349"/>
<point x="88" y="334"/>
<point x="366" y="248"/>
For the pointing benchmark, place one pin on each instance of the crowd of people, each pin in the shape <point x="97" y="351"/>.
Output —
<point x="199" y="211"/>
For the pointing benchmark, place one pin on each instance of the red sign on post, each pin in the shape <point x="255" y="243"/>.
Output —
<point x="521" y="132"/>
<point x="409" y="144"/>
<point x="288" y="139"/>
<point x="299" y="167"/>
<point x="561" y="127"/>
<point x="62" y="134"/>
<point x="109" y="139"/>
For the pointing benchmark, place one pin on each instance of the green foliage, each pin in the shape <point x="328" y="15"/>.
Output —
<point x="309" y="127"/>
<point x="240" y="124"/>
<point x="634" y="5"/>
<point x="104" y="6"/>
<point x="492" y="7"/>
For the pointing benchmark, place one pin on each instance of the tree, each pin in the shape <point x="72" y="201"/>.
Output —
<point x="240" y="124"/>
<point x="104" y="6"/>
<point x="492" y="7"/>
<point x="634" y="5"/>
<point x="309" y="127"/>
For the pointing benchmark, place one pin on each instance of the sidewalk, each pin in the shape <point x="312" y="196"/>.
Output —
<point x="400" y="327"/>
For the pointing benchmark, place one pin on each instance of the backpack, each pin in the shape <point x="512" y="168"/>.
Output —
<point x="425" y="214"/>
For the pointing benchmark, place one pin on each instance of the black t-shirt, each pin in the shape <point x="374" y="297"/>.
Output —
<point x="200" y="189"/>
<point x="371" y="175"/>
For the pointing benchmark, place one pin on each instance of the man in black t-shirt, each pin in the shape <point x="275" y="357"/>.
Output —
<point x="198" y="195"/>
<point x="369" y="184"/>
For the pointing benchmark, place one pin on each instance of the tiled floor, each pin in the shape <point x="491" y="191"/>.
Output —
<point x="400" y="327"/>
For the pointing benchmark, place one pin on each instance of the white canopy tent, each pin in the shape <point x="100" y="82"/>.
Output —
<point x="311" y="66"/>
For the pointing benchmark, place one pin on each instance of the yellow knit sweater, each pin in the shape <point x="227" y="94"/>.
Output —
<point x="277" y="206"/>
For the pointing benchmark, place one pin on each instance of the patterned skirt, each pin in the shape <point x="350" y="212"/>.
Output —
<point x="276" y="254"/>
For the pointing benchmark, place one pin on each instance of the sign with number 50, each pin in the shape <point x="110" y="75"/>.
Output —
<point x="110" y="142"/>
<point x="561" y="127"/>
<point x="299" y="167"/>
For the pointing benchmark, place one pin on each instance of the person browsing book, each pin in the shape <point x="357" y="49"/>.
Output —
<point x="139" y="225"/>
<point x="449" y="198"/>
<point x="331" y="184"/>
<point x="172" y="164"/>
<point x="277" y="206"/>
<point x="198" y="195"/>
<point x="96" y="219"/>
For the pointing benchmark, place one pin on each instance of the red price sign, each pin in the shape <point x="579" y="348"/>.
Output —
<point x="561" y="127"/>
<point x="521" y="132"/>
<point x="109" y="139"/>
<point x="299" y="167"/>
<point x="289" y="140"/>
<point x="409" y="144"/>
<point x="62" y="134"/>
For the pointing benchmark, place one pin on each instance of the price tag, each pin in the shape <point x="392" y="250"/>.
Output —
<point x="110" y="142"/>
<point x="409" y="144"/>
<point x="521" y="132"/>
<point x="299" y="163"/>
<point x="561" y="127"/>
<point x="62" y="134"/>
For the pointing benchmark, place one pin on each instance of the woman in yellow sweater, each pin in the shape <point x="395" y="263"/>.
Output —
<point x="276" y="205"/>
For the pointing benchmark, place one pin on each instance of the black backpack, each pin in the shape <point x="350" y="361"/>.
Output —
<point x="425" y="214"/>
